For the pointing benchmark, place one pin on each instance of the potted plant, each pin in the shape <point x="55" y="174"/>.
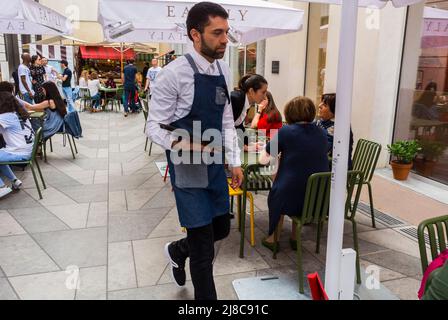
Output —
<point x="403" y="153"/>
<point x="427" y="159"/>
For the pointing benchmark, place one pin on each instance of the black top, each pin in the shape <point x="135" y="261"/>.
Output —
<point x="67" y="83"/>
<point x="238" y="99"/>
<point x="129" y="76"/>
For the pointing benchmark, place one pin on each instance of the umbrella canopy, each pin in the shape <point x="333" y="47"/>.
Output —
<point x="164" y="20"/>
<point x="369" y="3"/>
<point x="29" y="17"/>
<point x="435" y="28"/>
<point x="344" y="91"/>
<point x="61" y="40"/>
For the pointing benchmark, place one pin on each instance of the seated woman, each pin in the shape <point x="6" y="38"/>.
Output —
<point x="252" y="89"/>
<point x="303" y="148"/>
<point x="268" y="117"/>
<point x="54" y="108"/>
<point x="18" y="135"/>
<point x="83" y="79"/>
<point x="94" y="88"/>
<point x="326" y="114"/>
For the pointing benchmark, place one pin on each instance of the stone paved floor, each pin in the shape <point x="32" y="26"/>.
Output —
<point x="108" y="214"/>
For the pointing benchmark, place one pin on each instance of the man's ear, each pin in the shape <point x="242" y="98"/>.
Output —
<point x="196" y="35"/>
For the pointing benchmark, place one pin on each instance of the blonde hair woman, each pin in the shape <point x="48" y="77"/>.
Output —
<point x="83" y="79"/>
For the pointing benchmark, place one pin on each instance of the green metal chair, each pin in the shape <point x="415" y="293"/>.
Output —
<point x="32" y="162"/>
<point x="118" y="99"/>
<point x="256" y="178"/>
<point x="145" y="115"/>
<point x="84" y="98"/>
<point x="365" y="159"/>
<point x="315" y="210"/>
<point x="437" y="233"/>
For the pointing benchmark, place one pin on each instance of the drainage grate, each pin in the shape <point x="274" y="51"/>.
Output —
<point x="413" y="234"/>
<point x="381" y="216"/>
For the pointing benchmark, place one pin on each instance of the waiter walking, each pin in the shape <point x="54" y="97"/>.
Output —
<point x="194" y="88"/>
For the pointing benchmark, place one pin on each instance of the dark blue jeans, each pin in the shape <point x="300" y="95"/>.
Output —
<point x="129" y="96"/>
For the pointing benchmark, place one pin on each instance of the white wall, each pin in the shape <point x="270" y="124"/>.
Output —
<point x="290" y="50"/>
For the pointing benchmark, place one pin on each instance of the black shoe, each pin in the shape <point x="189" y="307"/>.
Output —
<point x="177" y="265"/>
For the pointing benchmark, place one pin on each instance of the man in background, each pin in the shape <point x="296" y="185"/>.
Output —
<point x="151" y="76"/>
<point x="50" y="73"/>
<point x="25" y="81"/>
<point x="129" y="78"/>
<point x="66" y="78"/>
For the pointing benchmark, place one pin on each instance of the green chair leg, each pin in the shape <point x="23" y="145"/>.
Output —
<point x="71" y="148"/>
<point x="372" y="210"/>
<point x="150" y="149"/>
<point x="356" y="244"/>
<point x="243" y="223"/>
<point x="299" y="257"/>
<point x="35" y="180"/>
<point x="74" y="144"/>
<point x="44" y="151"/>
<point x="276" y="240"/>
<point x="231" y="204"/>
<point x="40" y="174"/>
<point x="146" y="143"/>
<point x="51" y="145"/>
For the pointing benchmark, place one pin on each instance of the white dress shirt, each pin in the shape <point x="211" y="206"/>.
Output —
<point x="172" y="99"/>
<point x="243" y="113"/>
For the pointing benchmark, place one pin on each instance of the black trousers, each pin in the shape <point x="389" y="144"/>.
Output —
<point x="199" y="247"/>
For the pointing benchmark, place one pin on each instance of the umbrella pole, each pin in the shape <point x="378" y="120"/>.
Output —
<point x="344" y="92"/>
<point x="121" y="59"/>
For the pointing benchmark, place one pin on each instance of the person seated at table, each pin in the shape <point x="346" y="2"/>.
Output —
<point x="252" y="89"/>
<point x="268" y="117"/>
<point x="425" y="106"/>
<point x="94" y="88"/>
<point x="54" y="108"/>
<point x="302" y="147"/>
<point x="110" y="83"/>
<point x="83" y="79"/>
<point x="326" y="114"/>
<point x="6" y="86"/>
<point x="18" y="136"/>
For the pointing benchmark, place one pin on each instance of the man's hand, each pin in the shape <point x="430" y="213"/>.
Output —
<point x="237" y="177"/>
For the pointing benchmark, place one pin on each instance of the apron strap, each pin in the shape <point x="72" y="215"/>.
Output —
<point x="191" y="61"/>
<point x="219" y="67"/>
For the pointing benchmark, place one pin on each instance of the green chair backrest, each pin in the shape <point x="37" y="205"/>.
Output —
<point x="317" y="196"/>
<point x="145" y="114"/>
<point x="37" y="142"/>
<point x="366" y="157"/>
<point x="144" y="104"/>
<point x="84" y="93"/>
<point x="437" y="232"/>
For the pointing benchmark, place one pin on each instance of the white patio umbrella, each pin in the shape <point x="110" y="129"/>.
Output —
<point x="30" y="17"/>
<point x="344" y="91"/>
<point x="164" y="20"/>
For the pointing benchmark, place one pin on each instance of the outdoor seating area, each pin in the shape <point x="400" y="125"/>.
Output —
<point x="288" y="151"/>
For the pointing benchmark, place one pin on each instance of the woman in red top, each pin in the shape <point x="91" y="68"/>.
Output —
<point x="268" y="117"/>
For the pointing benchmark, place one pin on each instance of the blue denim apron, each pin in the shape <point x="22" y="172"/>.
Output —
<point x="198" y="205"/>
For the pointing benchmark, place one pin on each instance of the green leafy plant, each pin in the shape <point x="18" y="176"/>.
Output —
<point x="404" y="151"/>
<point x="431" y="150"/>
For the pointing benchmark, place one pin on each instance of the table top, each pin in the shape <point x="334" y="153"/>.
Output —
<point x="108" y="89"/>
<point x="36" y="114"/>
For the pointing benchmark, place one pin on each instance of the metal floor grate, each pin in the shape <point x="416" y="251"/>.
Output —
<point x="381" y="216"/>
<point x="413" y="234"/>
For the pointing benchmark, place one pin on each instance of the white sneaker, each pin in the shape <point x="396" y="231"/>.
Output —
<point x="16" y="184"/>
<point x="4" y="191"/>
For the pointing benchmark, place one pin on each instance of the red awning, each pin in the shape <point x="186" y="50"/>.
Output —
<point x="104" y="53"/>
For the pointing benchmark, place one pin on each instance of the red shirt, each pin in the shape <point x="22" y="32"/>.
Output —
<point x="263" y="124"/>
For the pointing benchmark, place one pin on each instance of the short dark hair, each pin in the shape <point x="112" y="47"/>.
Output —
<point x="330" y="100"/>
<point x="199" y="16"/>
<point x="64" y="62"/>
<point x="300" y="109"/>
<point x="5" y="86"/>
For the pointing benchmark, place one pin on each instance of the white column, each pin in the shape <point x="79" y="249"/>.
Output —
<point x="341" y="146"/>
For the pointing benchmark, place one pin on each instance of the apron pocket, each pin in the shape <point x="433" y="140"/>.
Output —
<point x="220" y="96"/>
<point x="191" y="175"/>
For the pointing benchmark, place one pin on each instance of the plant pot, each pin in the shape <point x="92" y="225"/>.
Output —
<point x="424" y="167"/>
<point x="400" y="170"/>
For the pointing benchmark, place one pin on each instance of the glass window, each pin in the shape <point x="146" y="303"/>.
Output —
<point x="422" y="111"/>
<point x="243" y="60"/>
<point x="317" y="50"/>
